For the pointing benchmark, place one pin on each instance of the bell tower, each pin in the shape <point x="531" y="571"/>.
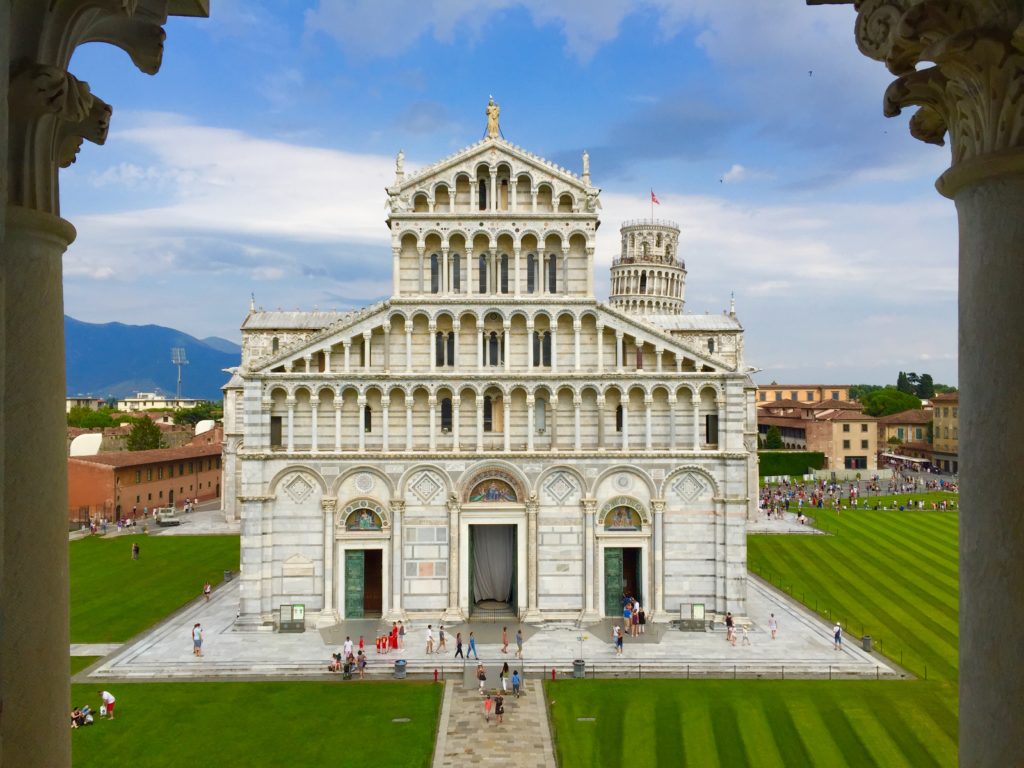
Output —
<point x="649" y="278"/>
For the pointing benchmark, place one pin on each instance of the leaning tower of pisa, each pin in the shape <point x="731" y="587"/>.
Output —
<point x="649" y="278"/>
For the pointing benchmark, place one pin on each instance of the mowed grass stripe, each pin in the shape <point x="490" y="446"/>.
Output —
<point x="944" y="560"/>
<point x="818" y="737"/>
<point x="845" y="734"/>
<point x="917" y="738"/>
<point x="728" y="741"/>
<point x="758" y="739"/>
<point x="845" y="600"/>
<point x="698" y="735"/>
<point x="878" y="739"/>
<point x="668" y="742"/>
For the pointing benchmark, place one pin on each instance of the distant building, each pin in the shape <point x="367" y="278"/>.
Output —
<point x="945" y="432"/>
<point x="144" y="401"/>
<point x="840" y="430"/>
<point x="804" y="393"/>
<point x="83" y="401"/>
<point x="109" y="485"/>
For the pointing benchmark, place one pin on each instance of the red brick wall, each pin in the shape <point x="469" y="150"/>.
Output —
<point x="157" y="492"/>
<point x="90" y="491"/>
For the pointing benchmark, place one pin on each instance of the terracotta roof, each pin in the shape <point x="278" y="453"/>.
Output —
<point x="134" y="458"/>
<point x="838" y="405"/>
<point x="793" y="422"/>
<point x="784" y="403"/>
<point x="946" y="397"/>
<point x="911" y="416"/>
<point x="844" y="415"/>
<point x="805" y="386"/>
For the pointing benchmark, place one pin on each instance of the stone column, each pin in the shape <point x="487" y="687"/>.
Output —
<point x="432" y="404"/>
<point x="516" y="251"/>
<point x="529" y="343"/>
<point x="385" y="402"/>
<point x="577" y="403"/>
<point x="625" y="421"/>
<point x="408" y="422"/>
<point x="648" y="434"/>
<point x="470" y="257"/>
<point x="696" y="424"/>
<point x="505" y="339"/>
<point x="456" y="400"/>
<point x="454" y="611"/>
<point x="337" y="423"/>
<point x="397" y="520"/>
<point x="542" y="280"/>
<point x="554" y="346"/>
<point x="658" y="548"/>
<point x="290" y="402"/>
<point x="590" y="612"/>
<point x="600" y="422"/>
<point x="506" y="400"/>
<point x="480" y="422"/>
<point x="565" y="271"/>
<point x="619" y="351"/>
<point x="577" y="328"/>
<point x="432" y="333"/>
<point x="444" y="279"/>
<point x="327" y="617"/>
<point x="347" y="346"/>
<point x="480" y="349"/>
<point x="396" y="270"/>
<point x="361" y="429"/>
<point x="658" y="351"/>
<point x="367" y="342"/>
<point x="456" y="327"/>
<point x="387" y="347"/>
<point x="600" y="348"/>
<point x="494" y="191"/>
<point x="672" y="421"/>
<point x="408" y="348"/>
<point x="327" y="360"/>
<point x="530" y="405"/>
<point x="532" y="608"/>
<point x="314" y="408"/>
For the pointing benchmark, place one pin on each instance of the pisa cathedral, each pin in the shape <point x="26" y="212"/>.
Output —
<point x="491" y="439"/>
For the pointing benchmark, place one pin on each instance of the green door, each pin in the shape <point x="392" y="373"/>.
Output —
<point x="613" y="581"/>
<point x="355" y="569"/>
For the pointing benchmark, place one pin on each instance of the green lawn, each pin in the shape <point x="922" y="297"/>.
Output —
<point x="78" y="663"/>
<point x="260" y="724"/>
<point x="892" y="575"/>
<point x="114" y="597"/>
<point x="730" y="723"/>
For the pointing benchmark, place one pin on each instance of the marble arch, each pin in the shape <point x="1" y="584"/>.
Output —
<point x="304" y="470"/>
<point x="484" y="471"/>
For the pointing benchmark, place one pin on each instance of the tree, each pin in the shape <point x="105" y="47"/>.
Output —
<point x="925" y="387"/>
<point x="200" y="412"/>
<point x="773" y="440"/>
<point x="857" y="391"/>
<point x="941" y="389"/>
<point x="895" y="440"/>
<point x="903" y="383"/>
<point x="145" y="435"/>
<point x="889" y="400"/>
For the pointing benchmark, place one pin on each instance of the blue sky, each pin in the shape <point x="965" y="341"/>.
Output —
<point x="255" y="162"/>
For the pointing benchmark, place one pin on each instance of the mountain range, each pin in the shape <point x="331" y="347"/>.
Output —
<point x="118" y="360"/>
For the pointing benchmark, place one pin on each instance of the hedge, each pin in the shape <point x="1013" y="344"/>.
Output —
<point x="789" y="462"/>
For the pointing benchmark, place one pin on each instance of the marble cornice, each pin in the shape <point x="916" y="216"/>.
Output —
<point x="552" y="456"/>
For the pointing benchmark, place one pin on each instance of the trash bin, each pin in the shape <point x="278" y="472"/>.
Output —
<point x="866" y="643"/>
<point x="227" y="575"/>
<point x="399" y="669"/>
<point x="579" y="669"/>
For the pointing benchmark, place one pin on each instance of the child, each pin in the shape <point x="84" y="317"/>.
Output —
<point x="487" y="706"/>
<point x="746" y="637"/>
<point x="515" y="683"/>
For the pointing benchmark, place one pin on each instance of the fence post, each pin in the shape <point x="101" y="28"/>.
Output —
<point x="829" y="671"/>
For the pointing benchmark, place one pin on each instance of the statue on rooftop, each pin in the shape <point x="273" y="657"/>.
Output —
<point x="493" y="111"/>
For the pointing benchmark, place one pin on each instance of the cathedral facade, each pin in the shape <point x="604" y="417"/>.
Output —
<point x="491" y="439"/>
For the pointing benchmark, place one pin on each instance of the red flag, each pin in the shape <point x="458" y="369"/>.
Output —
<point x="654" y="198"/>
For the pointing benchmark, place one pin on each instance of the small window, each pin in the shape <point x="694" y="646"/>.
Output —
<point x="367" y="418"/>
<point x="918" y="433"/>
<point x="863" y="427"/>
<point x="439" y="348"/>
<point x="482" y="282"/>
<point x="809" y="397"/>
<point x="456" y="273"/>
<point x="846" y="444"/>
<point x="639" y="358"/>
<point x="170" y="467"/>
<point x="218" y="462"/>
<point x="482" y="186"/>
<point x="275" y="439"/>
<point x="846" y="427"/>
<point x="446" y="414"/>
<point x="181" y="469"/>
<point x="435" y="273"/>
<point x="552" y="275"/>
<point x="954" y="413"/>
<point x="711" y="429"/>
<point x="763" y="396"/>
<point x="540" y="414"/>
<point x="190" y="467"/>
<point x="531" y="273"/>
<point x="488" y="414"/>
<point x="274" y="345"/>
<point x="494" y="349"/>
<point x="138" y="475"/>
<point x="863" y="443"/>
<point x="778" y="395"/>
<point x="149" y="496"/>
<point x="618" y="418"/>
<point x="899" y="433"/>
<point x="835" y="394"/>
<point x="503" y="272"/>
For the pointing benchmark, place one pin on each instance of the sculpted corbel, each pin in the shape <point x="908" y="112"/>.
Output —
<point x="93" y="128"/>
<point x="39" y="89"/>
<point x="140" y="37"/>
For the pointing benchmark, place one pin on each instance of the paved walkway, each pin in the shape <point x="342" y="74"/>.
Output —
<point x="786" y="524"/>
<point x="466" y="738"/>
<point x="94" y="649"/>
<point x="803" y="648"/>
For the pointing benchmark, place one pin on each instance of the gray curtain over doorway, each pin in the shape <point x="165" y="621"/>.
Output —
<point x="493" y="551"/>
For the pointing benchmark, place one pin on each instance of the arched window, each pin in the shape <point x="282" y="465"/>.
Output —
<point x="503" y="272"/>
<point x="531" y="273"/>
<point x="450" y="350"/>
<point x="488" y="414"/>
<point x="439" y="348"/>
<point x="657" y="240"/>
<point x="540" y="414"/>
<point x="493" y="349"/>
<point x="482" y="265"/>
<point x="547" y="348"/>
<point x="435" y="273"/>
<point x="367" y="418"/>
<point x="456" y="273"/>
<point x="643" y="282"/>
<point x="711" y="346"/>
<point x="552" y="274"/>
<point x="618" y="418"/>
<point x="274" y="345"/>
<point x="482" y="186"/>
<point x="446" y="414"/>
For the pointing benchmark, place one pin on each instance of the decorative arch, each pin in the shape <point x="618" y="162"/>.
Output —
<point x="421" y="490"/>
<point x="620" y="469"/>
<point x="363" y="515"/>
<point x="623" y="513"/>
<point x="506" y="481"/>
<point x="685" y="482"/>
<point x="298" y="481"/>
<point x="375" y="476"/>
<point x="557" y="481"/>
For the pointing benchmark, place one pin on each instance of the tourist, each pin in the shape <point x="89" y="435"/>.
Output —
<point x="499" y="709"/>
<point x="503" y="675"/>
<point x="642" y="619"/>
<point x="729" y="631"/>
<point x="519" y="643"/>
<point x="135" y="550"/>
<point x="773" y="626"/>
<point x="206" y="591"/>
<point x="746" y="636"/>
<point x="430" y="639"/>
<point x="197" y="640"/>
<point x="346" y="649"/>
<point x="393" y="641"/>
<point x="360" y="644"/>
<point x="487" y="706"/>
<point x="401" y="636"/>
<point x="617" y="639"/>
<point x="634" y="619"/>
<point x="458" y="646"/>
<point x="837" y="637"/>
<point x="440" y="639"/>
<point x="472" y="646"/>
<point x="481" y="675"/>
<point x="107" y="702"/>
<point x="504" y="640"/>
<point x="515" y="683"/>
<point x="361" y="663"/>
<point x="335" y="665"/>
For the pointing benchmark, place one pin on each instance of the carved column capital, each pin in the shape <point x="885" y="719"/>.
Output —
<point x="398" y="506"/>
<point x="454" y="505"/>
<point x="959" y="63"/>
<point x="589" y="506"/>
<point x="658" y="506"/>
<point x="328" y="505"/>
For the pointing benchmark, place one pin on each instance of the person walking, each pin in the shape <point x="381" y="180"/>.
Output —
<point x="197" y="640"/>
<point x="837" y="637"/>
<point x="206" y="591"/>
<point x="773" y="626"/>
<point x="135" y="550"/>
<point x="488" y="703"/>
<point x="361" y="663"/>
<point x="401" y="636"/>
<point x="504" y="639"/>
<point x="440" y="639"/>
<point x="430" y="639"/>
<point x="346" y="649"/>
<point x="458" y="646"/>
<point x="642" y="618"/>
<point x="472" y="646"/>
<point x="499" y="709"/>
<point x="481" y="676"/>
<point x="504" y="677"/>
<point x="519" y="643"/>
<point x="729" y="628"/>
<point x="516" y="682"/>
<point x="617" y="639"/>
